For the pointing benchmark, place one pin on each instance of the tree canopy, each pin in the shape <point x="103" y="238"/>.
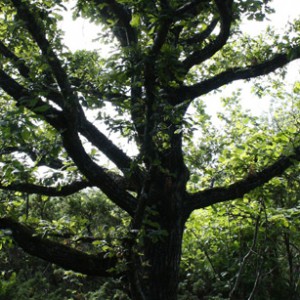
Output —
<point x="55" y="105"/>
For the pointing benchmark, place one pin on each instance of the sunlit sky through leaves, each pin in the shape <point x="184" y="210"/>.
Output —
<point x="81" y="34"/>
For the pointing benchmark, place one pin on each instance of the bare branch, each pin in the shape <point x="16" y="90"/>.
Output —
<point x="240" y="188"/>
<point x="59" y="254"/>
<point x="29" y="188"/>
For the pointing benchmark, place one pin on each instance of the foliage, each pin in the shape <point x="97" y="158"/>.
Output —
<point x="67" y="117"/>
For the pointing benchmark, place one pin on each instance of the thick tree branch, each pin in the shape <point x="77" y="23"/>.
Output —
<point x="115" y="154"/>
<point x="48" y="91"/>
<point x="191" y="92"/>
<point x="240" y="188"/>
<point x="224" y="7"/>
<point x="125" y="164"/>
<point x="24" y="98"/>
<point x="38" y="34"/>
<point x="105" y="145"/>
<point x="47" y="191"/>
<point x="36" y="30"/>
<point x="59" y="254"/>
<point x="166" y="20"/>
<point x="96" y="174"/>
<point x="20" y="65"/>
<point x="57" y="120"/>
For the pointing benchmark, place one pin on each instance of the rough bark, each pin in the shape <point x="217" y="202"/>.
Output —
<point x="155" y="248"/>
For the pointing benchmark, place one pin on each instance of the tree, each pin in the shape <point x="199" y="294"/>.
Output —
<point x="169" y="53"/>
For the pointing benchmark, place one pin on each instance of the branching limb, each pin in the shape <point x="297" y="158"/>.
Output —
<point x="59" y="254"/>
<point x="101" y="141"/>
<point x="97" y="175"/>
<point x="72" y="143"/>
<point x="19" y="64"/>
<point x="97" y="138"/>
<point x="134" y="174"/>
<point x="24" y="98"/>
<point x="200" y="56"/>
<point x="240" y="188"/>
<point x="57" y="120"/>
<point x="184" y="93"/>
<point x="38" y="33"/>
<point x="47" y="191"/>
<point x="49" y="92"/>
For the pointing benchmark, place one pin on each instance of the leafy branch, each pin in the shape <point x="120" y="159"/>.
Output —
<point x="19" y="64"/>
<point x="25" y="98"/>
<point x="72" y="143"/>
<point x="196" y="58"/>
<point x="34" y="26"/>
<point x="99" y="264"/>
<point x="238" y="189"/>
<point x="189" y="93"/>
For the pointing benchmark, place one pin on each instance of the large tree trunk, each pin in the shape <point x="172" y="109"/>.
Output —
<point x="163" y="259"/>
<point x="156" y="253"/>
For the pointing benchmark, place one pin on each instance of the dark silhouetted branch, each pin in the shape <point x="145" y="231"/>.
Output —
<point x="47" y="191"/>
<point x="200" y="37"/>
<point x="20" y="65"/>
<point x="97" y="175"/>
<point x="236" y="190"/>
<point x="68" y="258"/>
<point x="184" y="93"/>
<point x="35" y="28"/>
<point x="24" y="98"/>
<point x="224" y="7"/>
